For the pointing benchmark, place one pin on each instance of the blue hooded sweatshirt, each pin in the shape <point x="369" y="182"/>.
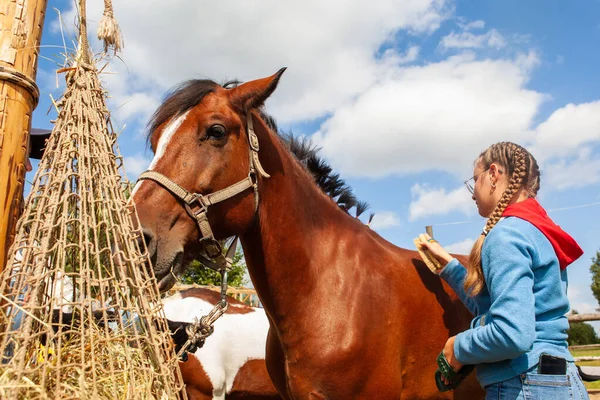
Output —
<point x="520" y="312"/>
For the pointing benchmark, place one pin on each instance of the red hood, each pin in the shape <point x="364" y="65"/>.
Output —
<point x="566" y="248"/>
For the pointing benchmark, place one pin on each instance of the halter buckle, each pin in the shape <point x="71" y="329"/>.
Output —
<point x="202" y="207"/>
<point x="253" y="177"/>
<point x="253" y="141"/>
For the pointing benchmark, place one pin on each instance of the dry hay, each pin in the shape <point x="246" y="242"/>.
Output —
<point x="96" y="368"/>
<point x="80" y="315"/>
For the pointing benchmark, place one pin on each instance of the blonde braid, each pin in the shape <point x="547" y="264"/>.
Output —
<point x="512" y="157"/>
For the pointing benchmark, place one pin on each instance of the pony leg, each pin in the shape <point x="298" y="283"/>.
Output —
<point x="219" y="394"/>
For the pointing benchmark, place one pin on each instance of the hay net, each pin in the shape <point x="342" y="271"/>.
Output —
<point x="80" y="313"/>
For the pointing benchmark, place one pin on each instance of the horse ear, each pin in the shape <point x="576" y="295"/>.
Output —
<point x="254" y="93"/>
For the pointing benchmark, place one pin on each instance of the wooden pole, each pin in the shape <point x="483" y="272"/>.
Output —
<point x="583" y="317"/>
<point x="21" y="23"/>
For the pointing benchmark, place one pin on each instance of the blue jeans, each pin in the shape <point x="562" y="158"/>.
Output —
<point x="533" y="386"/>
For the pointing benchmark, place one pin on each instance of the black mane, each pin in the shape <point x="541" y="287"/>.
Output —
<point x="306" y="152"/>
<point x="190" y="93"/>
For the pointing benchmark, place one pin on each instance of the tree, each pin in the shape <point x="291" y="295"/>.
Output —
<point x="581" y="333"/>
<point x="595" y="270"/>
<point x="196" y="273"/>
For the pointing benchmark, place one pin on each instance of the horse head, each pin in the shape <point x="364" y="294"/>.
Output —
<point x="203" y="182"/>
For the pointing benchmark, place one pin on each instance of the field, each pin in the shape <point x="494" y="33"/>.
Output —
<point x="596" y="363"/>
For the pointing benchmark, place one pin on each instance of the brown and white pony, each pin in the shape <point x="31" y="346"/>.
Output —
<point x="231" y="364"/>
<point x="351" y="315"/>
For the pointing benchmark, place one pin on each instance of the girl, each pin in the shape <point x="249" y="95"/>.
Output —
<point x="515" y="285"/>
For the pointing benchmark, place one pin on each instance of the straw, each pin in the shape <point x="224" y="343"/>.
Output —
<point x="80" y="310"/>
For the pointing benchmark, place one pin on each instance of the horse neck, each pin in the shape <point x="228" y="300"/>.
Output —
<point x="283" y="246"/>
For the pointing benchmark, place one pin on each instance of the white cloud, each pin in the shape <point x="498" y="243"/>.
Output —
<point x="387" y="116"/>
<point x="384" y="220"/>
<point x="463" y="247"/>
<point x="428" y="202"/>
<point x="583" y="307"/>
<point x="468" y="40"/>
<point x="581" y="299"/>
<point x="411" y="54"/>
<point x="328" y="46"/>
<point x="136" y="106"/>
<point x="437" y="116"/>
<point x="565" y="145"/>
<point x="479" y="24"/>
<point x="572" y="172"/>
<point x="50" y="82"/>
<point x="527" y="62"/>
<point x="135" y="165"/>
<point x="577" y="171"/>
<point x="566" y="130"/>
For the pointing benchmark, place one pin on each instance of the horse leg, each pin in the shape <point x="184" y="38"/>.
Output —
<point x="275" y="361"/>
<point x="219" y="394"/>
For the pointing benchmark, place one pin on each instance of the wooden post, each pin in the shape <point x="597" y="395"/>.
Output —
<point x="583" y="317"/>
<point x="21" y="23"/>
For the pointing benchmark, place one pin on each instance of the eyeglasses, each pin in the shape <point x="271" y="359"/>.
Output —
<point x="470" y="183"/>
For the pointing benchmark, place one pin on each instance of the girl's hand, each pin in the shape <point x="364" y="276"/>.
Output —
<point x="435" y="249"/>
<point x="449" y="354"/>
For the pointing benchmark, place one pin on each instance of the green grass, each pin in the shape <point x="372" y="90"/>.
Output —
<point x="589" y="363"/>
<point x="588" y="353"/>
<point x="592" y="385"/>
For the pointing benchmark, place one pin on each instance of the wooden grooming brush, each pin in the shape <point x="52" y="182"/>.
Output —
<point x="432" y="263"/>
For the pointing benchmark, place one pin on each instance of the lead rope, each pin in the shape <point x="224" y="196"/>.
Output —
<point x="202" y="328"/>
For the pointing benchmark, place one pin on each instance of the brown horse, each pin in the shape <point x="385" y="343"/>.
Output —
<point x="351" y="315"/>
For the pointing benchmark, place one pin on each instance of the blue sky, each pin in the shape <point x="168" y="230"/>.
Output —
<point x="401" y="96"/>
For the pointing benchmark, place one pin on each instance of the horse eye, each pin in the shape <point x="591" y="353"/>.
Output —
<point x="216" y="132"/>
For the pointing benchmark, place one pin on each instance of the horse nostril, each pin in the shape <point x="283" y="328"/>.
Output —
<point x="145" y="240"/>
